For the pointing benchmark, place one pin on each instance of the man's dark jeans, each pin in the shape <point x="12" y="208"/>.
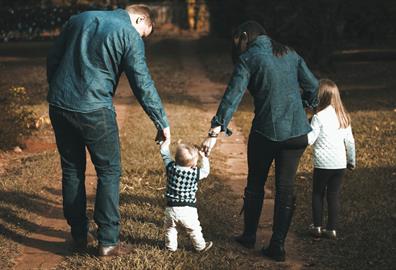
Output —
<point x="98" y="132"/>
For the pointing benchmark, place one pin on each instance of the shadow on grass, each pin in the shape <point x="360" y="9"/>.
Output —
<point x="14" y="205"/>
<point x="369" y="98"/>
<point x="30" y="203"/>
<point x="156" y="243"/>
<point x="61" y="248"/>
<point x="140" y="200"/>
<point x="366" y="221"/>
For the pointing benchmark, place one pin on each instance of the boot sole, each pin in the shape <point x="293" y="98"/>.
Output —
<point x="244" y="244"/>
<point x="281" y="258"/>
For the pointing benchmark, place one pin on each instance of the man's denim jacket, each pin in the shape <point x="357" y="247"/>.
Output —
<point x="281" y="87"/>
<point x="87" y="59"/>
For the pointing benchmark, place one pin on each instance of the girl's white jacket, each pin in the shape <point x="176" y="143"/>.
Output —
<point x="333" y="147"/>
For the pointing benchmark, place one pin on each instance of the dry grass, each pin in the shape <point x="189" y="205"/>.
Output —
<point x="22" y="202"/>
<point x="142" y="203"/>
<point x="21" y="65"/>
<point x="367" y="221"/>
<point x="143" y="183"/>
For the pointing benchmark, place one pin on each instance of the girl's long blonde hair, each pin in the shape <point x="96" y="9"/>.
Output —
<point x="330" y="95"/>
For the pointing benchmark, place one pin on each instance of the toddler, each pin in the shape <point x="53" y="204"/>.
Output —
<point x="331" y="135"/>
<point x="183" y="176"/>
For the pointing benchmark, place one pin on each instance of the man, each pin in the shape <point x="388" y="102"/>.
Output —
<point x="83" y="69"/>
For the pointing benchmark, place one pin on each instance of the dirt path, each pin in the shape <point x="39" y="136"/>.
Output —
<point x="40" y="250"/>
<point x="234" y="149"/>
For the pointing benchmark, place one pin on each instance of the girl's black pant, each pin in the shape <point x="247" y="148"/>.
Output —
<point x="326" y="182"/>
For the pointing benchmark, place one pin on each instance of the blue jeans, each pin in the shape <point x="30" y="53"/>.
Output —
<point x="98" y="132"/>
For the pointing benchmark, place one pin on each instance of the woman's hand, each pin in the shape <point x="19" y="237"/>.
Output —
<point x="208" y="144"/>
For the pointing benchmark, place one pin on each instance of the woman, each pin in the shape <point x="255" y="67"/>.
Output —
<point x="274" y="75"/>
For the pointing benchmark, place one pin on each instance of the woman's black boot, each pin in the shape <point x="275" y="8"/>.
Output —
<point x="283" y="215"/>
<point x="252" y="205"/>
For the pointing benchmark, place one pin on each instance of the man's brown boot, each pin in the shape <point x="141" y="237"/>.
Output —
<point x="117" y="250"/>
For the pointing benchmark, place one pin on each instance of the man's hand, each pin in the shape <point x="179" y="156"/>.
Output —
<point x="163" y="136"/>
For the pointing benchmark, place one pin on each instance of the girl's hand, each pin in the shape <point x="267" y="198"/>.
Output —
<point x="350" y="167"/>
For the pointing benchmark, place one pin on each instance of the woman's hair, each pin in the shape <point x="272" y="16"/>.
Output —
<point x="142" y="10"/>
<point x="246" y="33"/>
<point x="186" y="155"/>
<point x="330" y="95"/>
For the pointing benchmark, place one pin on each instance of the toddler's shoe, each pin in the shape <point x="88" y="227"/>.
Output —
<point x="207" y="247"/>
<point x="330" y="234"/>
<point x="315" y="231"/>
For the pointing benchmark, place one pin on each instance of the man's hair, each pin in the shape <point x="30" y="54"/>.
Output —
<point x="186" y="155"/>
<point x="144" y="11"/>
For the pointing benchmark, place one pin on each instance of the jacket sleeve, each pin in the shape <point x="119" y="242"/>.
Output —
<point x="205" y="169"/>
<point x="136" y="70"/>
<point x="314" y="133"/>
<point x="56" y="52"/>
<point x="309" y="85"/>
<point x="166" y="155"/>
<point x="350" y="146"/>
<point x="232" y="97"/>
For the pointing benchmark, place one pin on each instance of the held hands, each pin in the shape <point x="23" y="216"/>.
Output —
<point x="163" y="137"/>
<point x="202" y="154"/>
<point x="208" y="144"/>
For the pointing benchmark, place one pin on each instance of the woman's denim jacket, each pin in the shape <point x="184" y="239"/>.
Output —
<point x="281" y="87"/>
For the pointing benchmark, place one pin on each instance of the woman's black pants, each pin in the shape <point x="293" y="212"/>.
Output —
<point x="326" y="182"/>
<point x="261" y="153"/>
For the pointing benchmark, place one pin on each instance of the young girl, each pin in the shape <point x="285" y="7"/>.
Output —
<point x="331" y="134"/>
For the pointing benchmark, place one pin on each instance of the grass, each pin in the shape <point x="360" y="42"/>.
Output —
<point x="22" y="66"/>
<point x="143" y="204"/>
<point x="142" y="190"/>
<point x="22" y="202"/>
<point x="143" y="183"/>
<point x="366" y="225"/>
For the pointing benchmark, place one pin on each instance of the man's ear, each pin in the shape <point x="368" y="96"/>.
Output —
<point x="243" y="41"/>
<point x="140" y="19"/>
<point x="244" y="36"/>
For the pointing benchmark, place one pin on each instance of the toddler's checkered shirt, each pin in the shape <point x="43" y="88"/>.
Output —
<point x="182" y="185"/>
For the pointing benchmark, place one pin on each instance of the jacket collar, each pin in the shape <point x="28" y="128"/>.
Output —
<point x="262" y="41"/>
<point x="124" y="14"/>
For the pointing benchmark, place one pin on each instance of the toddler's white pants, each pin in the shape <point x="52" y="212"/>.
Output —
<point x="187" y="217"/>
